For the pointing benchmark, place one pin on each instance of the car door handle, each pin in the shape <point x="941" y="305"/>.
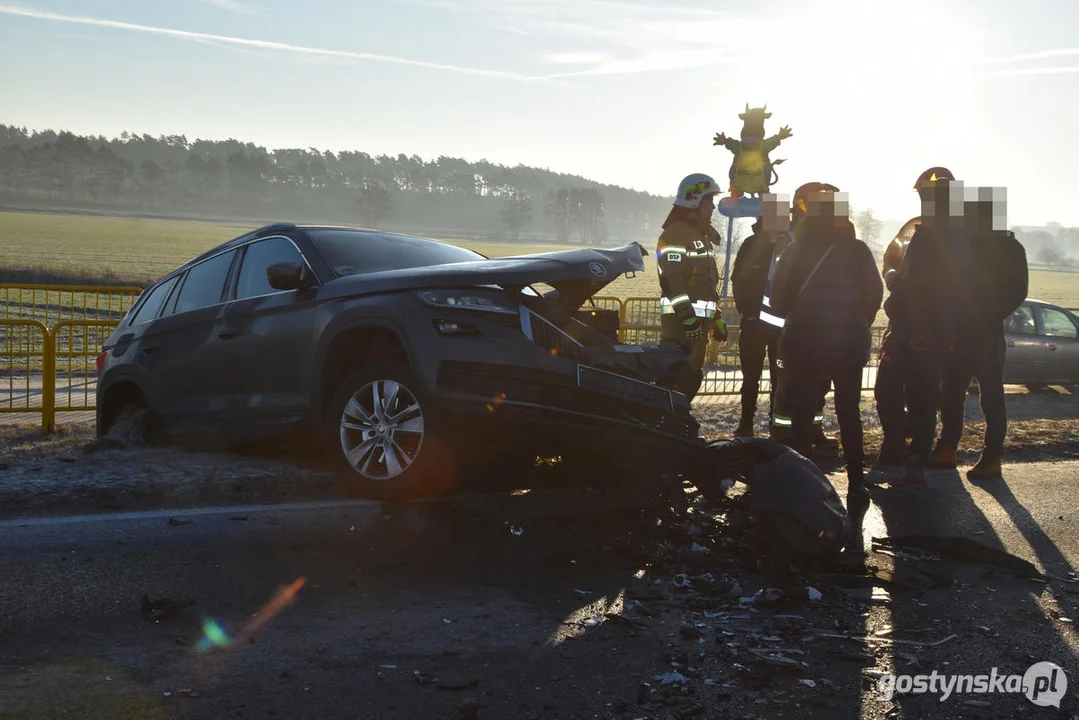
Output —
<point x="1052" y="348"/>
<point x="150" y="348"/>
<point x="228" y="334"/>
<point x="1011" y="343"/>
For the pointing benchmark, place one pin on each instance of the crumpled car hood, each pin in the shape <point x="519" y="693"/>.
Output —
<point x="576" y="274"/>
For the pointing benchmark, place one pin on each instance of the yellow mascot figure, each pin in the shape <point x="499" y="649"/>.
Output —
<point x="751" y="171"/>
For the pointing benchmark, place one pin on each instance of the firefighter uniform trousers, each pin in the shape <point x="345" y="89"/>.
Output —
<point x="789" y="394"/>
<point x="804" y="386"/>
<point x="782" y="400"/>
<point x="754" y="342"/>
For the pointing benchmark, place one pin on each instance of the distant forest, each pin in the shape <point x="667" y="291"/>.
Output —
<point x="171" y="176"/>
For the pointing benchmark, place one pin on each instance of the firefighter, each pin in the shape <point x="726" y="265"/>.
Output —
<point x="889" y="390"/>
<point x="999" y="284"/>
<point x="688" y="276"/>
<point x="781" y="415"/>
<point x="928" y="302"/>
<point x="754" y="267"/>
<point x="829" y="291"/>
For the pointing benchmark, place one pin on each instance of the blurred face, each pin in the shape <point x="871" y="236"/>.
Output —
<point x="942" y="204"/>
<point x="776" y="213"/>
<point x="833" y="206"/>
<point x="985" y="210"/>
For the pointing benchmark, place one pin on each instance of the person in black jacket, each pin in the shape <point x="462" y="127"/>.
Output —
<point x="829" y="290"/>
<point x="999" y="284"/>
<point x="928" y="302"/>
<point x="890" y="389"/>
<point x="749" y="279"/>
<point x="781" y="414"/>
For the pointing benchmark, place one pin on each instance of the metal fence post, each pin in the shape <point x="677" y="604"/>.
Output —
<point x="48" y="381"/>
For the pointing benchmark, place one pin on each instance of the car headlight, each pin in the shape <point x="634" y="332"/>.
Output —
<point x="469" y="300"/>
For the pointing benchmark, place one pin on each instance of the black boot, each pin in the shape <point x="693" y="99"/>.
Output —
<point x="824" y="444"/>
<point x="745" y="426"/>
<point x="858" y="502"/>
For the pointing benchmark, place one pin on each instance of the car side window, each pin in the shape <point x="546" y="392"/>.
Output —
<point x="259" y="256"/>
<point x="154" y="300"/>
<point x="204" y="284"/>
<point x="1022" y="322"/>
<point x="1058" y="324"/>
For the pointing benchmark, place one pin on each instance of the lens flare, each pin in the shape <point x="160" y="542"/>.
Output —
<point x="214" y="636"/>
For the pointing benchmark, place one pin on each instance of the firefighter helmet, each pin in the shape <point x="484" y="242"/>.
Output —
<point x="929" y="178"/>
<point x="693" y="188"/>
<point x="798" y="206"/>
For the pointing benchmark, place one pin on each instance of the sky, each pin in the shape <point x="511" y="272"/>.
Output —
<point x="626" y="92"/>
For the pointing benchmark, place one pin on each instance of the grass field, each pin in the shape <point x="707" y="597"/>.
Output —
<point x="93" y="250"/>
<point x="140" y="250"/>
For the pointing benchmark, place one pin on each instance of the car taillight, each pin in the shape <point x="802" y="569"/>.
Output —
<point x="101" y="361"/>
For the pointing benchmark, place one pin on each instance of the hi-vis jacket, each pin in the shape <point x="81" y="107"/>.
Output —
<point x="688" y="276"/>
<point x="769" y="316"/>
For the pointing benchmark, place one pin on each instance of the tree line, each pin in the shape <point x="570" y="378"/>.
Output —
<point x="171" y="175"/>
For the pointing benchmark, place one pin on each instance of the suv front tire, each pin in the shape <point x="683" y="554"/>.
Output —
<point x="384" y="437"/>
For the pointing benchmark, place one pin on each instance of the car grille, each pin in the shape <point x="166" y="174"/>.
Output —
<point x="506" y="382"/>
<point x="547" y="335"/>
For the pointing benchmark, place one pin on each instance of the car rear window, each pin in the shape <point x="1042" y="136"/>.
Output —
<point x="154" y="300"/>
<point x="350" y="252"/>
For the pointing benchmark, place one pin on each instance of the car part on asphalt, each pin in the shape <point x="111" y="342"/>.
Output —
<point x="789" y="497"/>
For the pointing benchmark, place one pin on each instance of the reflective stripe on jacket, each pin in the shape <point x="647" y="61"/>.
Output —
<point x="686" y="262"/>
<point x="770" y="318"/>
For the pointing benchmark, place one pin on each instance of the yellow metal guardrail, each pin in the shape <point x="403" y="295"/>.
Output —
<point x="27" y="345"/>
<point x="50" y="336"/>
<point x="50" y="370"/>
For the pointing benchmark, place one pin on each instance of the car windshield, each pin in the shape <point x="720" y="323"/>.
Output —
<point x="353" y="252"/>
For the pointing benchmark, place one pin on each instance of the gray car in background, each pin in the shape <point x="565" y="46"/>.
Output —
<point x="1042" y="345"/>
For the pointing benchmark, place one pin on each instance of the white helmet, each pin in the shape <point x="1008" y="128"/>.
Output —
<point x="693" y="188"/>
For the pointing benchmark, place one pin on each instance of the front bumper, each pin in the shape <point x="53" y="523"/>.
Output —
<point x="545" y="411"/>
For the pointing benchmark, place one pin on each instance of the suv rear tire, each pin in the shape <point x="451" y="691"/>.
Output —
<point x="384" y="438"/>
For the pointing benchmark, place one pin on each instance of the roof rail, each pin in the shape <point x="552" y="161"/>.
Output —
<point x="275" y="227"/>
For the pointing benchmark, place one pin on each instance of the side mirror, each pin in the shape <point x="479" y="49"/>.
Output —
<point x="292" y="275"/>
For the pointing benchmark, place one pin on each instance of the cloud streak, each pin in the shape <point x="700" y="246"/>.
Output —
<point x="1062" y="70"/>
<point x="261" y="44"/>
<point x="1043" y="55"/>
<point x="233" y="5"/>
<point x="618" y="36"/>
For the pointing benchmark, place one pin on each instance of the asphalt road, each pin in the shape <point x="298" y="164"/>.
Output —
<point x="433" y="610"/>
<point x="446" y="589"/>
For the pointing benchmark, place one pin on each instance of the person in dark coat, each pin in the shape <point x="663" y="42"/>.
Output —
<point x="999" y="283"/>
<point x="829" y="290"/>
<point x="749" y="279"/>
<point x="781" y="414"/>
<point x="928" y="302"/>
<point x="890" y="389"/>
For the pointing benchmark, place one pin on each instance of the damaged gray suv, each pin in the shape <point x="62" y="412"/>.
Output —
<point x="406" y="359"/>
